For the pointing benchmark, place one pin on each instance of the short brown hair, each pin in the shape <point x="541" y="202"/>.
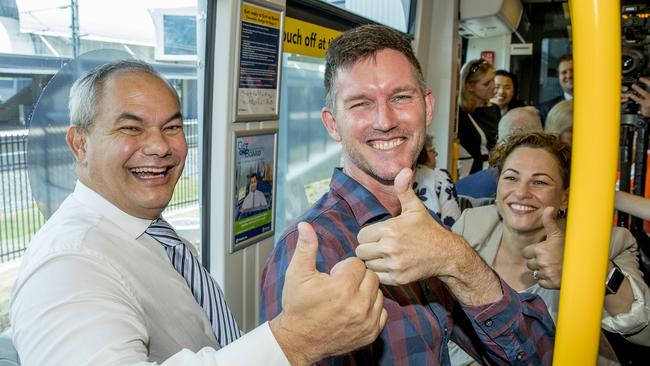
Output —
<point x="536" y="140"/>
<point x="361" y="43"/>
<point x="563" y="58"/>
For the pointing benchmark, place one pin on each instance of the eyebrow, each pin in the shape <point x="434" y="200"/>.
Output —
<point x="534" y="175"/>
<point x="134" y="117"/>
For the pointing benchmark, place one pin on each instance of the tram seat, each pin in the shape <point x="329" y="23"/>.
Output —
<point x="471" y="202"/>
<point x="8" y="354"/>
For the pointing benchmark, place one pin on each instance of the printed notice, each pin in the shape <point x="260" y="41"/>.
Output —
<point x="258" y="62"/>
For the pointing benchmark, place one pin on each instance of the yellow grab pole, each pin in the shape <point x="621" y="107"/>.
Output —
<point x="597" y="76"/>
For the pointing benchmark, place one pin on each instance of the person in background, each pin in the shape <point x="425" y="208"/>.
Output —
<point x="627" y="202"/>
<point x="483" y="184"/>
<point x="560" y="121"/>
<point x="507" y="87"/>
<point x="522" y="236"/>
<point x="434" y="186"/>
<point x="478" y="119"/>
<point x="254" y="198"/>
<point x="565" y="77"/>
<point x="640" y="93"/>
<point x="435" y="286"/>
<point x="107" y="281"/>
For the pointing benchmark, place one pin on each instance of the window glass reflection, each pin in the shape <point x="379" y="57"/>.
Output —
<point x="306" y="154"/>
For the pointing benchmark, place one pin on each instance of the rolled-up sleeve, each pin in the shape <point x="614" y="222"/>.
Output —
<point x="517" y="329"/>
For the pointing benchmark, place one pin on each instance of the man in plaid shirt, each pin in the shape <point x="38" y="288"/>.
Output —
<point x="435" y="286"/>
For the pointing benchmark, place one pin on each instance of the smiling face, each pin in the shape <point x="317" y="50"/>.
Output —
<point x="530" y="181"/>
<point x="504" y="91"/>
<point x="380" y="116"/>
<point x="134" y="152"/>
<point x="565" y="75"/>
<point x="483" y="88"/>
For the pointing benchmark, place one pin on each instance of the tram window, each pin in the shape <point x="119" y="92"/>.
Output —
<point x="306" y="155"/>
<point x="393" y="13"/>
<point x="552" y="49"/>
<point x="36" y="46"/>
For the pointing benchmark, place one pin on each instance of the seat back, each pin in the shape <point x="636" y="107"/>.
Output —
<point x="8" y="354"/>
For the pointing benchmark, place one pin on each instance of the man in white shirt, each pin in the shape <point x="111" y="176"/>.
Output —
<point x="254" y="199"/>
<point x="95" y="288"/>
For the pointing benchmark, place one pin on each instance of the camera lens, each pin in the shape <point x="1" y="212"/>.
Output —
<point x="632" y="61"/>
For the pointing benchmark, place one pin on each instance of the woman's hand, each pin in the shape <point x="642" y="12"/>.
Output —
<point x="544" y="259"/>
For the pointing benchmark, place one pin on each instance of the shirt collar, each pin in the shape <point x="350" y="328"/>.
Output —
<point x="134" y="226"/>
<point x="568" y="96"/>
<point x="365" y="207"/>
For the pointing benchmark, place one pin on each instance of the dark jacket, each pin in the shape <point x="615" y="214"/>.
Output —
<point x="488" y="120"/>
<point x="546" y="106"/>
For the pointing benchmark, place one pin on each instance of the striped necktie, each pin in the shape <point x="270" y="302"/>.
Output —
<point x="205" y="289"/>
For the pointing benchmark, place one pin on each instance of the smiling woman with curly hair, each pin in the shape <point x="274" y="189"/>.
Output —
<point x="522" y="237"/>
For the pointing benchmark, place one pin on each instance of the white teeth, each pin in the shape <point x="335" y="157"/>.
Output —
<point x="386" y="145"/>
<point x="148" y="170"/>
<point x="519" y="207"/>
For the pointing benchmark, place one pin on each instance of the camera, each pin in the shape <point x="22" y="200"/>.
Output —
<point x="635" y="24"/>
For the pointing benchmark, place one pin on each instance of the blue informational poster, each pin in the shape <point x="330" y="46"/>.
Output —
<point x="254" y="186"/>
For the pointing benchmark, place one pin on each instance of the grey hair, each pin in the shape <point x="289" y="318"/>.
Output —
<point x="86" y="91"/>
<point x="519" y="120"/>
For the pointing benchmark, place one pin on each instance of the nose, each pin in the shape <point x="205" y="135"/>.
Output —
<point x="156" y="143"/>
<point x="522" y="191"/>
<point x="385" y="117"/>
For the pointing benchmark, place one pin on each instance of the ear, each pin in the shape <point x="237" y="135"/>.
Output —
<point x="329" y="121"/>
<point x="565" y="200"/>
<point x="76" y="139"/>
<point x="430" y="105"/>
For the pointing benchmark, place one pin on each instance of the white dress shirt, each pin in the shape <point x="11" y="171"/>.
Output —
<point x="93" y="289"/>
<point x="253" y="200"/>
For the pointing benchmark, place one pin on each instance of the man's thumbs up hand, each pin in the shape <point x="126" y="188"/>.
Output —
<point x="408" y="247"/>
<point x="326" y="314"/>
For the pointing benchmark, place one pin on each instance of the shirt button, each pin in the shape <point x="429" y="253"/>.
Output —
<point x="488" y="323"/>
<point x="520" y="356"/>
<point x="445" y="330"/>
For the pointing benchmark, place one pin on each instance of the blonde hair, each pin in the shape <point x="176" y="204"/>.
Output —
<point x="471" y="73"/>
<point x="560" y="118"/>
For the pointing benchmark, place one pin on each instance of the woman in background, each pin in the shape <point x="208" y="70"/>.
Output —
<point x="478" y="119"/>
<point x="434" y="186"/>
<point x="507" y="87"/>
<point x="522" y="238"/>
<point x="559" y="121"/>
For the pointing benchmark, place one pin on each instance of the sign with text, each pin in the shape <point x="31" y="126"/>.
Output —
<point x="307" y="39"/>
<point x="521" y="49"/>
<point x="254" y="186"/>
<point x="259" y="63"/>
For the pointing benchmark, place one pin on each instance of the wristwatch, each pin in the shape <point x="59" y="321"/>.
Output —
<point x="615" y="278"/>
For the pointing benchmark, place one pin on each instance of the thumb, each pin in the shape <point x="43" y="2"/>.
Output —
<point x="550" y="225"/>
<point x="404" y="191"/>
<point x="304" y="257"/>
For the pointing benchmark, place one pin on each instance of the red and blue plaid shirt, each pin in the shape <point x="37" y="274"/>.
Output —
<point x="422" y="316"/>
